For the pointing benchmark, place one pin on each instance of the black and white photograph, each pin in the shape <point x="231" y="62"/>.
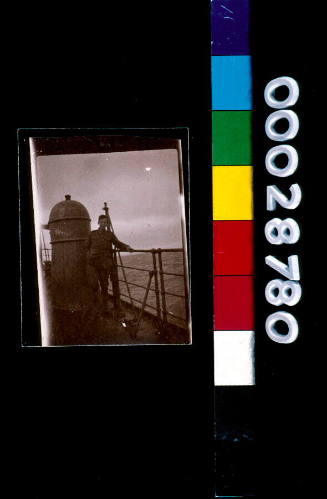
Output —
<point x="110" y="240"/>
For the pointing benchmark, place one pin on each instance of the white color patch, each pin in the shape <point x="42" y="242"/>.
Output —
<point x="234" y="358"/>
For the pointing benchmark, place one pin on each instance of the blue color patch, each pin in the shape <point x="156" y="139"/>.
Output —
<point x="231" y="83"/>
<point x="230" y="27"/>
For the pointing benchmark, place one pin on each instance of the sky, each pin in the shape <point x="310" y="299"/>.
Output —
<point x="141" y="189"/>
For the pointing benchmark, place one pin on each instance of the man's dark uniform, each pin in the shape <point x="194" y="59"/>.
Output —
<point x="101" y="257"/>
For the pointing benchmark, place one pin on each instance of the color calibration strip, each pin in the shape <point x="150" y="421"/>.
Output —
<point x="232" y="194"/>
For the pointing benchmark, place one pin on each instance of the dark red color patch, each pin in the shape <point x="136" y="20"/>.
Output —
<point x="233" y="303"/>
<point x="233" y="247"/>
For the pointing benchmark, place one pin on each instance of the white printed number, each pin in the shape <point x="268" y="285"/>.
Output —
<point x="293" y="125"/>
<point x="274" y="195"/>
<point x="290" y="322"/>
<point x="292" y="160"/>
<point x="281" y="326"/>
<point x="291" y="270"/>
<point x="293" y="92"/>
<point x="279" y="292"/>
<point x="279" y="231"/>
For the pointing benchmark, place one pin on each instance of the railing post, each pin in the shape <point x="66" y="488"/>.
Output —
<point x="126" y="282"/>
<point x="115" y="285"/>
<point x="186" y="289"/>
<point x="143" y="303"/>
<point x="156" y="285"/>
<point x="162" y="284"/>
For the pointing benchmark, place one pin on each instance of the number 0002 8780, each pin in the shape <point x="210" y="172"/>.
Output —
<point x="277" y="231"/>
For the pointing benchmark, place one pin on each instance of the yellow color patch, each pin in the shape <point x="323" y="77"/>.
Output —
<point x="232" y="193"/>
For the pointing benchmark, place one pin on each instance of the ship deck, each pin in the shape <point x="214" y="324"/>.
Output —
<point x="93" y="328"/>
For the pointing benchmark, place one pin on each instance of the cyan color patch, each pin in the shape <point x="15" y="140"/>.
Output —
<point x="231" y="82"/>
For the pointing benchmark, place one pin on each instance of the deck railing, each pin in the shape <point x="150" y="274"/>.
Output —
<point x="156" y="273"/>
<point x="156" y="283"/>
<point x="46" y="254"/>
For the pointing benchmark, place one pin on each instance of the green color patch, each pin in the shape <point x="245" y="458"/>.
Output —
<point x="231" y="137"/>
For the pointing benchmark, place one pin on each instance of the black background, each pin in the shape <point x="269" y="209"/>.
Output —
<point x="116" y="422"/>
<point x="289" y="377"/>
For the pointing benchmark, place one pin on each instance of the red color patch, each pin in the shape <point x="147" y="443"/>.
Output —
<point x="233" y="247"/>
<point x="233" y="303"/>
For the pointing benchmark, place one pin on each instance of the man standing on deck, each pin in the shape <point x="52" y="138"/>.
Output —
<point x="101" y="257"/>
